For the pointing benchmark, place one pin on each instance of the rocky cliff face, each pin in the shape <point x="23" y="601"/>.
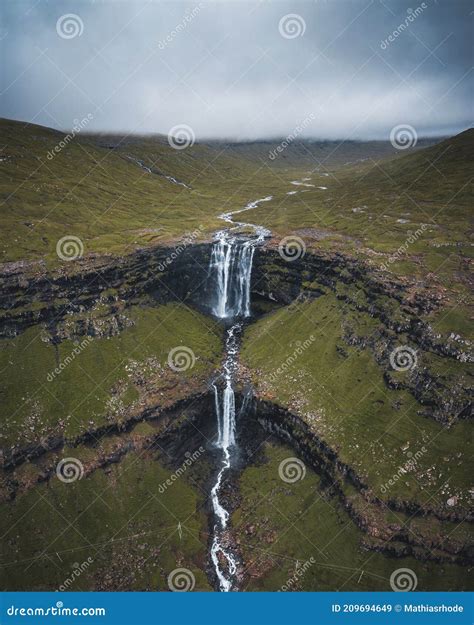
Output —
<point x="30" y="294"/>
<point x="101" y="288"/>
<point x="92" y="298"/>
<point x="398" y="305"/>
<point x="361" y="503"/>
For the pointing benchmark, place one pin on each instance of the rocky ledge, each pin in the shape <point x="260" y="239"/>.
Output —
<point x="366" y="509"/>
<point x="397" y="304"/>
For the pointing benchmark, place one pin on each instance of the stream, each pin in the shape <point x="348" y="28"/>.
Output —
<point x="230" y="269"/>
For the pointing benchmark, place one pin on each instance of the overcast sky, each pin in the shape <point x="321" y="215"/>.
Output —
<point x="237" y="69"/>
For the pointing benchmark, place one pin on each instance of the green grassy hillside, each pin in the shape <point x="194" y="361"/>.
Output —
<point x="296" y="537"/>
<point x="411" y="215"/>
<point x="93" y="189"/>
<point x="99" y="188"/>
<point x="113" y="527"/>
<point x="85" y="383"/>
<point x="341" y="393"/>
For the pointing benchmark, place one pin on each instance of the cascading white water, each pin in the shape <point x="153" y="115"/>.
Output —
<point x="231" y="264"/>
<point x="230" y="268"/>
<point x="225" y="413"/>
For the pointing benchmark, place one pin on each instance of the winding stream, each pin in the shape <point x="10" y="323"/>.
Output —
<point x="231" y="269"/>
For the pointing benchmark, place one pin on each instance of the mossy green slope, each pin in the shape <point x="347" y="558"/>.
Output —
<point x="95" y="190"/>
<point x="92" y="189"/>
<point x="410" y="215"/>
<point x="116" y="523"/>
<point x="296" y="536"/>
<point x="107" y="379"/>
<point x="340" y="392"/>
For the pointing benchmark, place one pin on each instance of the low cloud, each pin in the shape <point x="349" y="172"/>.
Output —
<point x="227" y="70"/>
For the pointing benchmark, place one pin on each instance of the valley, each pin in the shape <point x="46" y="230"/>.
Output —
<point x="251" y="394"/>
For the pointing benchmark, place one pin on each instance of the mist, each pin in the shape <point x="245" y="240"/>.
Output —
<point x="239" y="70"/>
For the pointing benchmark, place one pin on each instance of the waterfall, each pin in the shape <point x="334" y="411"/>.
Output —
<point x="230" y="270"/>
<point x="225" y="414"/>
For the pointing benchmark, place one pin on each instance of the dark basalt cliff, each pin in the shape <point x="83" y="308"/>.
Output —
<point x="31" y="295"/>
<point x="364" y="507"/>
<point x="397" y="304"/>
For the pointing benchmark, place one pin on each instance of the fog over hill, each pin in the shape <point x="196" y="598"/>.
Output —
<point x="240" y="70"/>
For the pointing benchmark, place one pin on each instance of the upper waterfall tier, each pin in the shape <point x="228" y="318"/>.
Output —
<point x="231" y="265"/>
